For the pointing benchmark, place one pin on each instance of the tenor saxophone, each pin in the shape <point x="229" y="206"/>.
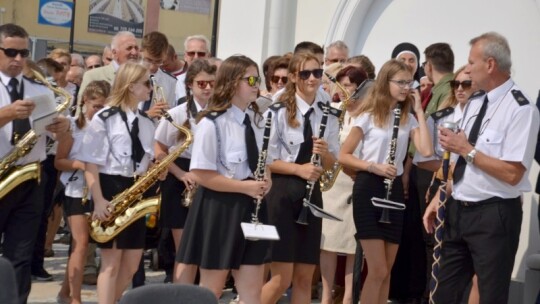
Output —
<point x="12" y="175"/>
<point x="128" y="206"/>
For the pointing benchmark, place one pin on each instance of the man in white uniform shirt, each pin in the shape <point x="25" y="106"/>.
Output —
<point x="20" y="208"/>
<point x="197" y="46"/>
<point x="496" y="148"/>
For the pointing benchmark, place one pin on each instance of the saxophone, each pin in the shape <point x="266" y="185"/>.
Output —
<point x="128" y="206"/>
<point x="12" y="175"/>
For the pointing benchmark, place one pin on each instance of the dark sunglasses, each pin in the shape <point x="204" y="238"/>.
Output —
<point x="304" y="75"/>
<point x="199" y="54"/>
<point x="202" y="84"/>
<point x="466" y="84"/>
<point x="253" y="81"/>
<point x="93" y="66"/>
<point x="14" y="52"/>
<point x="275" y="79"/>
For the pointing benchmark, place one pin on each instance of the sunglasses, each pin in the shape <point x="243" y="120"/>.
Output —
<point x="465" y="84"/>
<point x="276" y="79"/>
<point x="253" y="81"/>
<point x="14" y="52"/>
<point x="202" y="84"/>
<point x="304" y="75"/>
<point x="93" y="66"/>
<point x="199" y="54"/>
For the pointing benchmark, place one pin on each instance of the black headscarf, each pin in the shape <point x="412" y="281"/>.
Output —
<point x="408" y="47"/>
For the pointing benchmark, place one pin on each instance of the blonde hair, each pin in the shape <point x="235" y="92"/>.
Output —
<point x="59" y="53"/>
<point x="378" y="99"/>
<point x="129" y="73"/>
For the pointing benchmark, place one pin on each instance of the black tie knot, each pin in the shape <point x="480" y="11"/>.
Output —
<point x="247" y="121"/>
<point x="13" y="85"/>
<point x="308" y="113"/>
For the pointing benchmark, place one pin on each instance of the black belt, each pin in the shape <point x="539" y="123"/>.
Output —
<point x="494" y="199"/>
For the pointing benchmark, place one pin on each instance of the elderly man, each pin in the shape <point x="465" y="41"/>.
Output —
<point x="336" y="51"/>
<point x="106" y="57"/>
<point x="496" y="149"/>
<point x="20" y="208"/>
<point x="92" y="62"/>
<point x="75" y="75"/>
<point x="197" y="46"/>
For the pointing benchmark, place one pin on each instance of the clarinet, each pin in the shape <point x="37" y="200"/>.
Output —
<point x="315" y="160"/>
<point x="385" y="219"/>
<point x="261" y="165"/>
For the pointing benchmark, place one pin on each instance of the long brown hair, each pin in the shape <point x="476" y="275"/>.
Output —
<point x="95" y="89"/>
<point x="129" y="73"/>
<point x="228" y="77"/>
<point x="451" y="100"/>
<point x="378" y="99"/>
<point x="289" y="95"/>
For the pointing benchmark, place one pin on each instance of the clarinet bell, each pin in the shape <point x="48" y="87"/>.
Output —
<point x="302" y="217"/>
<point x="385" y="217"/>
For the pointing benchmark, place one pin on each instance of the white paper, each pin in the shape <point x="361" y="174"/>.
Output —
<point x="44" y="113"/>
<point x="254" y="232"/>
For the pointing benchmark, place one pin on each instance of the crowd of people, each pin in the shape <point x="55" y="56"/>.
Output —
<point x="345" y="161"/>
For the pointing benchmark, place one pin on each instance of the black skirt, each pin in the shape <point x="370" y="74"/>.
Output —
<point x="74" y="206"/>
<point x="298" y="243"/>
<point x="133" y="236"/>
<point x="213" y="238"/>
<point x="172" y="212"/>
<point x="366" y="216"/>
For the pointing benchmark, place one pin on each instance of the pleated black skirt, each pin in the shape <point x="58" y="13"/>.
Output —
<point x="75" y="206"/>
<point x="298" y="243"/>
<point x="366" y="216"/>
<point x="172" y="213"/>
<point x="133" y="236"/>
<point x="213" y="238"/>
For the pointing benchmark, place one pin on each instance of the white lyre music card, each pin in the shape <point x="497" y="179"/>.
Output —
<point x="255" y="232"/>
<point x="44" y="113"/>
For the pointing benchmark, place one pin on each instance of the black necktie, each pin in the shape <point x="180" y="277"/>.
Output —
<point x="20" y="126"/>
<point x="251" y="145"/>
<point x="137" y="151"/>
<point x="306" y="148"/>
<point x="459" y="170"/>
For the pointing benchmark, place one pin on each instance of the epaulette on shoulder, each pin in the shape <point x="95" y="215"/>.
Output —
<point x="442" y="113"/>
<point x="214" y="114"/>
<point x="520" y="98"/>
<point x="105" y="114"/>
<point x="332" y="110"/>
<point x="181" y="100"/>
<point x="143" y="114"/>
<point x="477" y="94"/>
<point x="32" y="80"/>
<point x="276" y="106"/>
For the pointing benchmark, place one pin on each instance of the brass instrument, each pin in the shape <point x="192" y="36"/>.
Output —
<point x="328" y="177"/>
<point x="12" y="175"/>
<point x="188" y="195"/>
<point x="386" y="203"/>
<point x="128" y="206"/>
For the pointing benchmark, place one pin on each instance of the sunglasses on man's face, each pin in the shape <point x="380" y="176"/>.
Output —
<point x="252" y="81"/>
<point x="304" y="74"/>
<point x="93" y="66"/>
<point x="14" y="52"/>
<point x="466" y="84"/>
<point x="276" y="79"/>
<point x="202" y="84"/>
<point x="199" y="54"/>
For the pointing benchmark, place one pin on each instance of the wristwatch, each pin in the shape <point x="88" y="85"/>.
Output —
<point x="470" y="156"/>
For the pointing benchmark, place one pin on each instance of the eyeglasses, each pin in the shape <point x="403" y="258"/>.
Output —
<point x="14" y="52"/>
<point x="93" y="66"/>
<point x="276" y="79"/>
<point x="252" y="81"/>
<point x="304" y="75"/>
<point x="202" y="84"/>
<point x="404" y="84"/>
<point x="465" y="84"/>
<point x="199" y="54"/>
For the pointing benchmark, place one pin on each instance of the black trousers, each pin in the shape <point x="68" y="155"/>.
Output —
<point x="481" y="240"/>
<point x="20" y="214"/>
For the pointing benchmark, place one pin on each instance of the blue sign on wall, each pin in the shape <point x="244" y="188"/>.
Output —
<point x="55" y="12"/>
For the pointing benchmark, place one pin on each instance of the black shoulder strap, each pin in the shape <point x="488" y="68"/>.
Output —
<point x="214" y="114"/>
<point x="276" y="106"/>
<point x="104" y="115"/>
<point x="442" y="113"/>
<point x="520" y="98"/>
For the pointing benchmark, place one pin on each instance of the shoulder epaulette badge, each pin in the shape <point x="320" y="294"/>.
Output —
<point x="520" y="98"/>
<point x="442" y="113"/>
<point x="108" y="113"/>
<point x="276" y="106"/>
<point x="32" y="80"/>
<point x="477" y="94"/>
<point x="214" y="114"/>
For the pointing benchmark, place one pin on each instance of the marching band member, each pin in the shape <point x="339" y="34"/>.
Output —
<point x="223" y="162"/>
<point x="76" y="205"/>
<point x="118" y="145"/>
<point x="297" y="121"/>
<point x="200" y="81"/>
<point x="373" y="129"/>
